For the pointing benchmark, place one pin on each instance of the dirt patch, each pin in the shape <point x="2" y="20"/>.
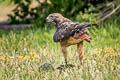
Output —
<point x="4" y="11"/>
<point x="7" y="9"/>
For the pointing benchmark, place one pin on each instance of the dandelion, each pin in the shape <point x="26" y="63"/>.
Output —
<point x="92" y="54"/>
<point x="20" y="57"/>
<point x="100" y="51"/>
<point x="99" y="63"/>
<point x="119" y="54"/>
<point x="2" y="58"/>
<point x="7" y="59"/>
<point x="34" y="55"/>
<point x="112" y="55"/>
<point x="110" y="50"/>
<point x="27" y="57"/>
<point x="112" y="63"/>
<point x="105" y="56"/>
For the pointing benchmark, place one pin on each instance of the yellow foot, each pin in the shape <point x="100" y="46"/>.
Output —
<point x="62" y="67"/>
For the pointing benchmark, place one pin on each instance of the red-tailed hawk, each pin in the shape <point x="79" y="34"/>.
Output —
<point x="69" y="33"/>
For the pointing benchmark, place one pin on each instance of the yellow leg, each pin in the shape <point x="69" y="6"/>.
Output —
<point x="64" y="51"/>
<point x="80" y="51"/>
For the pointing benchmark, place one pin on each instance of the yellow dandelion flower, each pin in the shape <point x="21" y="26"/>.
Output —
<point x="112" y="63"/>
<point x="105" y="56"/>
<point x="32" y="57"/>
<point x="2" y="58"/>
<point x="7" y="59"/>
<point x="92" y="54"/>
<point x="34" y="54"/>
<point x="99" y="63"/>
<point x="97" y="52"/>
<point x="112" y="55"/>
<point x="96" y="56"/>
<point x="20" y="57"/>
<point x="110" y="50"/>
<point x="27" y="57"/>
<point x="119" y="54"/>
<point x="101" y="50"/>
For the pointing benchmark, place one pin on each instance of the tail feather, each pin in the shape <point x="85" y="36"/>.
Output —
<point x="90" y="25"/>
<point x="85" y="25"/>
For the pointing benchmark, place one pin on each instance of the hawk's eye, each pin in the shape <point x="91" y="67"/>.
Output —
<point x="51" y="16"/>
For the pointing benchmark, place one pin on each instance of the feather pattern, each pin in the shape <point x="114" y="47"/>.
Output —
<point x="69" y="28"/>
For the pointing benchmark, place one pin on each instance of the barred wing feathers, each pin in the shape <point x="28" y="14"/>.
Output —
<point x="67" y="29"/>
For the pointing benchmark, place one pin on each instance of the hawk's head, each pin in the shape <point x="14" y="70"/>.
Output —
<point x="55" y="18"/>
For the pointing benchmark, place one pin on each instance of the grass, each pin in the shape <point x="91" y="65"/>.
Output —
<point x="22" y="52"/>
<point x="5" y="2"/>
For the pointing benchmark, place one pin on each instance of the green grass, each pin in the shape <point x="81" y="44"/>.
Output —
<point x="22" y="52"/>
<point x="6" y="2"/>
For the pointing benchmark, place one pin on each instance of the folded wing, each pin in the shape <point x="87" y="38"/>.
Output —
<point x="68" y="29"/>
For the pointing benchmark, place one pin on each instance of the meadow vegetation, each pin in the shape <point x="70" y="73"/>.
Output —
<point x="22" y="52"/>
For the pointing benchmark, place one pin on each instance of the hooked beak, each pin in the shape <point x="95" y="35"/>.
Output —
<point x="50" y="21"/>
<point x="47" y="20"/>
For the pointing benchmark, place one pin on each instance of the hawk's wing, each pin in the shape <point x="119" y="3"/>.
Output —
<point x="68" y="29"/>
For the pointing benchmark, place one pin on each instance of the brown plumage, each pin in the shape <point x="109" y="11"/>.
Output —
<point x="69" y="33"/>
